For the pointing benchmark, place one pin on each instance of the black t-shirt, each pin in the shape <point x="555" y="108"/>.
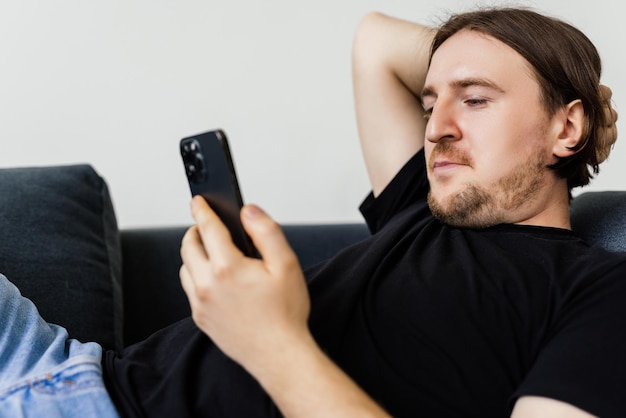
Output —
<point x="429" y="320"/>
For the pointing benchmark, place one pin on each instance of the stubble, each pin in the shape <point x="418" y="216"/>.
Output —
<point x="480" y="207"/>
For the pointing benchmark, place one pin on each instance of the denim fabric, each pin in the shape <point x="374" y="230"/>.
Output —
<point x="42" y="371"/>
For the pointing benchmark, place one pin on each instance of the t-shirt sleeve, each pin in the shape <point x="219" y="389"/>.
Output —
<point x="583" y="361"/>
<point x="408" y="187"/>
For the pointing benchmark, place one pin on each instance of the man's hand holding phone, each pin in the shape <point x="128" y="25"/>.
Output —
<point x="252" y="308"/>
<point x="256" y="309"/>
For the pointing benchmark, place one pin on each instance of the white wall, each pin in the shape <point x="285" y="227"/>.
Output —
<point x="117" y="83"/>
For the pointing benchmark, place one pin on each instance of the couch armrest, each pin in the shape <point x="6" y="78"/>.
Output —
<point x="153" y="296"/>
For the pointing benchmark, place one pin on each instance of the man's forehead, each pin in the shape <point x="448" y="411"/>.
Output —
<point x="473" y="55"/>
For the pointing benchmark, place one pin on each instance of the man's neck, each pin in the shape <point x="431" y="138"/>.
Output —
<point x="553" y="209"/>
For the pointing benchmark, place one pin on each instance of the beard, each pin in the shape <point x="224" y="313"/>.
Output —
<point x="480" y="207"/>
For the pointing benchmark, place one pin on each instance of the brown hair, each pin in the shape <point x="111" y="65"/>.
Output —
<point x="567" y="67"/>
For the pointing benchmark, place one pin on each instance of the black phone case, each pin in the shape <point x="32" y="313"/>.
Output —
<point x="211" y="174"/>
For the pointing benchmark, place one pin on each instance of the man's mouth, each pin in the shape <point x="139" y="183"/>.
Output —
<point x="446" y="157"/>
<point x="442" y="165"/>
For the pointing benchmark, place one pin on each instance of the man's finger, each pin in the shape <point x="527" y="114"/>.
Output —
<point x="191" y="244"/>
<point x="215" y="237"/>
<point x="187" y="283"/>
<point x="194" y="259"/>
<point x="269" y="239"/>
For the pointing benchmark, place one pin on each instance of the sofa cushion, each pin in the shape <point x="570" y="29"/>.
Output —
<point x="59" y="244"/>
<point x="599" y="218"/>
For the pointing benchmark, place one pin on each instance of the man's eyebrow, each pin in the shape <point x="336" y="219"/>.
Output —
<point x="481" y="82"/>
<point x="462" y="84"/>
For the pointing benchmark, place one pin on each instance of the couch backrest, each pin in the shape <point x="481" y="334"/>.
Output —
<point x="600" y="217"/>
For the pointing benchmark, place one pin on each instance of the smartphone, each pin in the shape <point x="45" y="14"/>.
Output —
<point x="211" y="174"/>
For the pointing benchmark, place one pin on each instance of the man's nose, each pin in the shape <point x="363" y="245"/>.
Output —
<point x="442" y="123"/>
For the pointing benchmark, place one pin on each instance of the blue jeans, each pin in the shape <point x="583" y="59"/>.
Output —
<point x="43" y="373"/>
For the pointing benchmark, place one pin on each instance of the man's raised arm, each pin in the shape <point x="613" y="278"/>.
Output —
<point x="389" y="64"/>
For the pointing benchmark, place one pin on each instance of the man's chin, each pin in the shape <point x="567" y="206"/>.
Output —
<point x="456" y="221"/>
<point x="469" y="209"/>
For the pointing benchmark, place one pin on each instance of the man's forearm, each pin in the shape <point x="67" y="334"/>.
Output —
<point x="389" y="66"/>
<point x="304" y="382"/>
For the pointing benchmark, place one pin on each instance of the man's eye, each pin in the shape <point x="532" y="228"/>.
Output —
<point x="427" y="113"/>
<point x="475" y="102"/>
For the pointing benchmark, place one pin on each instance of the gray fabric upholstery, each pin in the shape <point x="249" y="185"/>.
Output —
<point x="59" y="244"/>
<point x="600" y="217"/>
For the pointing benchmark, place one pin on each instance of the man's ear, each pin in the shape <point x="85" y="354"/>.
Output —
<point x="571" y="125"/>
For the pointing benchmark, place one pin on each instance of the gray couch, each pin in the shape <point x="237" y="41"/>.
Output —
<point x="61" y="246"/>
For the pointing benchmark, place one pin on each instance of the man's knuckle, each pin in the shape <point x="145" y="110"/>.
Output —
<point x="223" y="271"/>
<point x="203" y="292"/>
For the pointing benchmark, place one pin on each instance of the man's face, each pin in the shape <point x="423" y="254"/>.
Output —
<point x="487" y="136"/>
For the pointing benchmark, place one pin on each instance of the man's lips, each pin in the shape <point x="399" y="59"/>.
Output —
<point x="443" y="165"/>
<point x="446" y="157"/>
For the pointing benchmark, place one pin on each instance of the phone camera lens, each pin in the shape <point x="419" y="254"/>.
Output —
<point x="194" y="162"/>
